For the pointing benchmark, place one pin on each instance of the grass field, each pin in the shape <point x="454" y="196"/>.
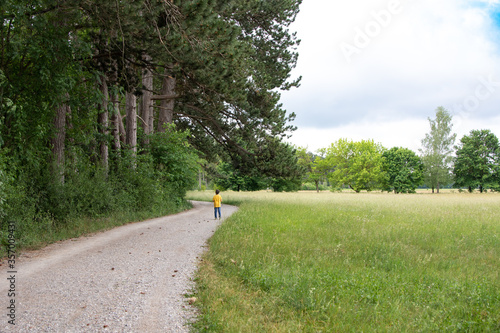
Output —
<point x="343" y="262"/>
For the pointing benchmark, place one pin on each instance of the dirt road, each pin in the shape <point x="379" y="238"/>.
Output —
<point x="129" y="279"/>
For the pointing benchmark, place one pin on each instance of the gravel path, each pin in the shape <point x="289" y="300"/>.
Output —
<point x="129" y="279"/>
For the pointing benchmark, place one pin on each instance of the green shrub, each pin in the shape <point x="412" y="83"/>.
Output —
<point x="174" y="160"/>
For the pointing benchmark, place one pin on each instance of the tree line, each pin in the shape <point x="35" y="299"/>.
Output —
<point x="474" y="163"/>
<point x="110" y="106"/>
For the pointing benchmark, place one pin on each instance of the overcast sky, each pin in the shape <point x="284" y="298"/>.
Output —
<point x="377" y="69"/>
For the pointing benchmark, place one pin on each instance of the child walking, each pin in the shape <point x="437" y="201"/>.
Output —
<point x="217" y="199"/>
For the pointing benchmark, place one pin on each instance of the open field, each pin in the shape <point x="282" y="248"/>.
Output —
<point x="343" y="262"/>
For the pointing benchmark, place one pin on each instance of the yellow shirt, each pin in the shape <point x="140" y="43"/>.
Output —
<point x="217" y="199"/>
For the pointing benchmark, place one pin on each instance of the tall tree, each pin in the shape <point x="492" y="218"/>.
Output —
<point x="228" y="74"/>
<point x="404" y="170"/>
<point x="437" y="149"/>
<point x="477" y="161"/>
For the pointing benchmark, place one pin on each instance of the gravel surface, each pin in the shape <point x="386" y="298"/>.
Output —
<point x="129" y="279"/>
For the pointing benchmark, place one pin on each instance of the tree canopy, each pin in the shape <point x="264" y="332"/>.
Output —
<point x="220" y="65"/>
<point x="132" y="95"/>
<point x="357" y="165"/>
<point x="403" y="170"/>
<point x="477" y="161"/>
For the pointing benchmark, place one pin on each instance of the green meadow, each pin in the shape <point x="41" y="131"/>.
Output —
<point x="345" y="262"/>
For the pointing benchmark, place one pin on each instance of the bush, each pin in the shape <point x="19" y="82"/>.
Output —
<point x="285" y="185"/>
<point x="174" y="160"/>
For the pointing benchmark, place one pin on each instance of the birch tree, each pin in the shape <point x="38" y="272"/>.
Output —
<point x="437" y="149"/>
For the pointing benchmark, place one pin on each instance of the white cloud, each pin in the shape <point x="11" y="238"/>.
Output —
<point x="406" y="133"/>
<point x="388" y="133"/>
<point x="426" y="54"/>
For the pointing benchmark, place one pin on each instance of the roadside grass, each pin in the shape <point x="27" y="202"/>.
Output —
<point x="343" y="262"/>
<point x="45" y="231"/>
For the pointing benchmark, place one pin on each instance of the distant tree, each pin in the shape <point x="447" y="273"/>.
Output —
<point x="229" y="178"/>
<point x="404" y="170"/>
<point x="477" y="162"/>
<point x="314" y="165"/>
<point x="320" y="168"/>
<point x="355" y="164"/>
<point x="304" y="159"/>
<point x="437" y="147"/>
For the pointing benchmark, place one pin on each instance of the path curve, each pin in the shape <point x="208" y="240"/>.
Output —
<point x="129" y="279"/>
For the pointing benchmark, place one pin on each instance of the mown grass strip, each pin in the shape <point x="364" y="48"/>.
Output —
<point x="350" y="263"/>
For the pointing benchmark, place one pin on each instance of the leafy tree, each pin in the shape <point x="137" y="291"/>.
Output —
<point x="304" y="159"/>
<point x="315" y="166"/>
<point x="228" y="178"/>
<point x="477" y="161"/>
<point x="437" y="149"/>
<point x="355" y="164"/>
<point x="404" y="170"/>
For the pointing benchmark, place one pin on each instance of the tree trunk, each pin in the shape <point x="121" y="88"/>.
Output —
<point x="146" y="112"/>
<point x="121" y="127"/>
<point x="166" y="114"/>
<point x="131" y="109"/>
<point x="116" y="121"/>
<point x="72" y="157"/>
<point x="317" y="186"/>
<point x="103" y="124"/>
<point x="437" y="187"/>
<point x="58" y="145"/>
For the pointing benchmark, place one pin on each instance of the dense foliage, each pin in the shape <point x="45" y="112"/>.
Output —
<point x="112" y="106"/>
<point x="357" y="165"/>
<point x="227" y="176"/>
<point x="403" y="170"/>
<point x="477" y="162"/>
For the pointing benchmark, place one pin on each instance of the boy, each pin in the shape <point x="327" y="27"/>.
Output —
<point x="217" y="199"/>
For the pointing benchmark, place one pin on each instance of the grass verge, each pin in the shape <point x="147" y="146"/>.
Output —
<point x="45" y="231"/>
<point x="330" y="262"/>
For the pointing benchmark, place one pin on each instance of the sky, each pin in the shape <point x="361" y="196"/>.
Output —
<point x="378" y="69"/>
